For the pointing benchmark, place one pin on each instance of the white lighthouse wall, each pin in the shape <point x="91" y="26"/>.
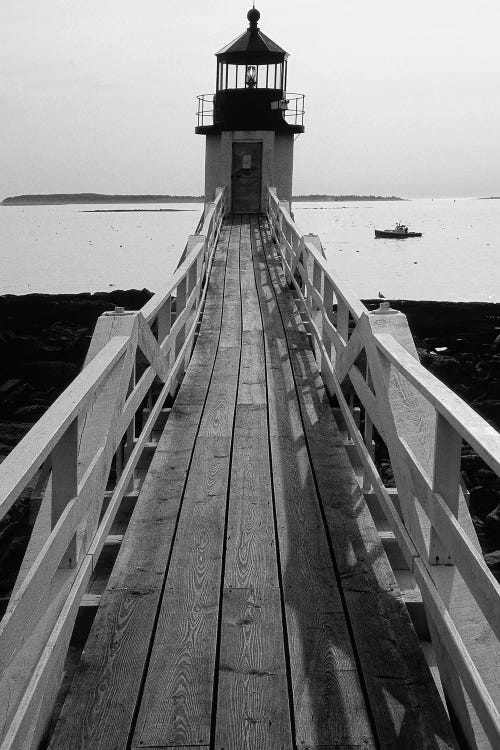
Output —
<point x="277" y="161"/>
<point x="283" y="165"/>
<point x="213" y="178"/>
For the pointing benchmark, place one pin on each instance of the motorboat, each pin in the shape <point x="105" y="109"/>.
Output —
<point x="400" y="232"/>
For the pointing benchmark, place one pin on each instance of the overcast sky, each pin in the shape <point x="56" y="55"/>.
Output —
<point x="402" y="97"/>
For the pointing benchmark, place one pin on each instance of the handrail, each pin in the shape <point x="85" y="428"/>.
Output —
<point x="371" y="356"/>
<point x="87" y="430"/>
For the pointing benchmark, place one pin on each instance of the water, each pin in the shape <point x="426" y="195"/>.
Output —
<point x="58" y="249"/>
<point x="78" y="248"/>
<point x="458" y="257"/>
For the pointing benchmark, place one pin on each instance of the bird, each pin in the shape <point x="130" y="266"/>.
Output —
<point x="380" y="295"/>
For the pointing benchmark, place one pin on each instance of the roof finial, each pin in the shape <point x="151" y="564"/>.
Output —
<point x="253" y="16"/>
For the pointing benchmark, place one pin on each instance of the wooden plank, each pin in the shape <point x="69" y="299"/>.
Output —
<point x="101" y="702"/>
<point x="107" y="684"/>
<point x="176" y="706"/>
<point x="399" y="686"/>
<point x="328" y="699"/>
<point x="252" y="706"/>
<point x="251" y="547"/>
<point x="252" y="709"/>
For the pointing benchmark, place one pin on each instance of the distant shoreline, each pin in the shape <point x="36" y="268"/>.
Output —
<point x="345" y="198"/>
<point x="56" y="199"/>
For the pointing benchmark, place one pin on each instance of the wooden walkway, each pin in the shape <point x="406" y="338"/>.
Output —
<point x="251" y="604"/>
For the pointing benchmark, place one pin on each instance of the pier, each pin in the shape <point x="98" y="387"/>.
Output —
<point x="215" y="560"/>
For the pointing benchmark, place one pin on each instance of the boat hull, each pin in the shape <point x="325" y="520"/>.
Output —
<point x="392" y="234"/>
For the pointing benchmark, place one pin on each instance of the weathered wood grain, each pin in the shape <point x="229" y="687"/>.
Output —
<point x="252" y="695"/>
<point x="99" y="708"/>
<point x="404" y="701"/>
<point x="252" y="708"/>
<point x="176" y="706"/>
<point x="328" y="700"/>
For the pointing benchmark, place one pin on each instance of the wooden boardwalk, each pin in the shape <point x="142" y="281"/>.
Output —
<point x="251" y="604"/>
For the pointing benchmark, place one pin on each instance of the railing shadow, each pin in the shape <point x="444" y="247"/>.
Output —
<point x="326" y="696"/>
<point x="352" y="684"/>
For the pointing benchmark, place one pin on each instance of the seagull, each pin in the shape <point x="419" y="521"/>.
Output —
<point x="380" y="295"/>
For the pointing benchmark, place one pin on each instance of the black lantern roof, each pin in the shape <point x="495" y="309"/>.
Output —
<point x="252" y="46"/>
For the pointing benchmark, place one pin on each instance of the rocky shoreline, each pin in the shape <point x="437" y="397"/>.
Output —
<point x="44" y="339"/>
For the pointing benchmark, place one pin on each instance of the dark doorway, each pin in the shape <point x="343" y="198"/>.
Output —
<point x="246" y="177"/>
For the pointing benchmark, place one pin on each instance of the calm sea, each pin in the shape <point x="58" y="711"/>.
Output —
<point x="78" y="248"/>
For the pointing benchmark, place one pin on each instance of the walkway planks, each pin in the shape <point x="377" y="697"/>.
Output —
<point x="251" y="604"/>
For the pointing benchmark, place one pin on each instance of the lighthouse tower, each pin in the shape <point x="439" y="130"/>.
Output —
<point x="251" y="122"/>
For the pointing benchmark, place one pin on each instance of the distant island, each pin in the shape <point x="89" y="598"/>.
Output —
<point x="321" y="198"/>
<point x="52" y="199"/>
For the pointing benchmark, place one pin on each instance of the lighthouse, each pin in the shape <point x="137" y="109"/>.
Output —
<point x="251" y="122"/>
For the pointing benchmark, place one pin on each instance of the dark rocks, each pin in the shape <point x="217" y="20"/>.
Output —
<point x="43" y="342"/>
<point x="441" y="366"/>
<point x="492" y="560"/>
<point x="492" y="521"/>
<point x="482" y="501"/>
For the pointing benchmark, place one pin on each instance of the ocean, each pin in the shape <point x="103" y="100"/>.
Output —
<point x="80" y="248"/>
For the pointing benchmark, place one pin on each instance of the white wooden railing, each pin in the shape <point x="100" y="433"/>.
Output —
<point x="423" y="424"/>
<point x="90" y="428"/>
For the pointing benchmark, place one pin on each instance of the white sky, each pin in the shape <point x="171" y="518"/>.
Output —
<point x="402" y="97"/>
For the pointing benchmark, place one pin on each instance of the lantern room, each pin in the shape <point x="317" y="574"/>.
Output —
<point x="250" y="86"/>
<point x="251" y="121"/>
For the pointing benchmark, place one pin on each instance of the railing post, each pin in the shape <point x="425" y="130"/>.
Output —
<point x="180" y="306"/>
<point x="164" y="320"/>
<point x="314" y="275"/>
<point x="65" y="484"/>
<point x="446" y="481"/>
<point x="285" y="205"/>
<point x="328" y="295"/>
<point x="343" y="320"/>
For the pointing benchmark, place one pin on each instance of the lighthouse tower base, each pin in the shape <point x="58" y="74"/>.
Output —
<point x="248" y="162"/>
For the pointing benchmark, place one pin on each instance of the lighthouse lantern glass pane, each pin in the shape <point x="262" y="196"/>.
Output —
<point x="272" y="77"/>
<point x="232" y="81"/>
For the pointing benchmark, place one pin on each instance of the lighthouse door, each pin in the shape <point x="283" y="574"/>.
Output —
<point x="246" y="177"/>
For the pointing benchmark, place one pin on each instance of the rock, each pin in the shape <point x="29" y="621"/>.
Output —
<point x="56" y="373"/>
<point x="492" y="560"/>
<point x="9" y="386"/>
<point x="482" y="501"/>
<point x="444" y="367"/>
<point x="492" y="521"/>
<point x="14" y="392"/>
<point x="489" y="409"/>
<point x="32" y="412"/>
